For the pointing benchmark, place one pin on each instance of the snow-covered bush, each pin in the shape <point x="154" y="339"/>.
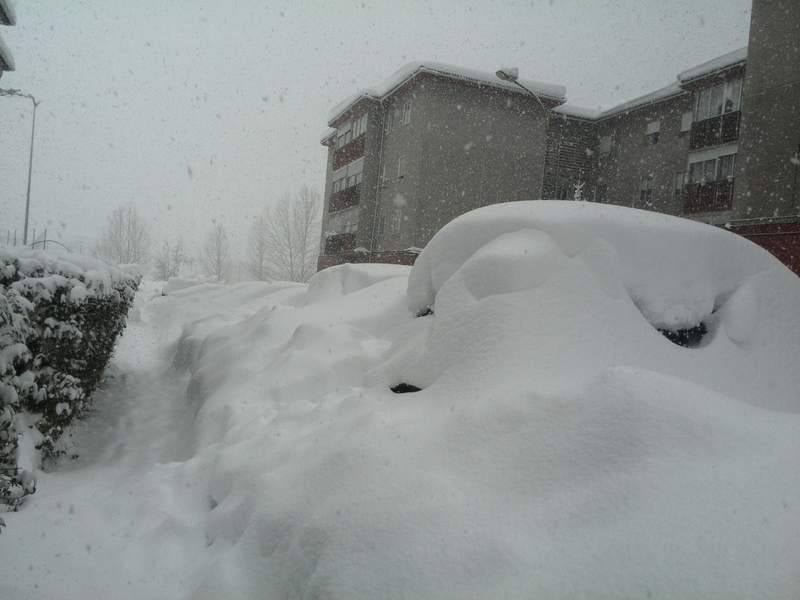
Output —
<point x="60" y="316"/>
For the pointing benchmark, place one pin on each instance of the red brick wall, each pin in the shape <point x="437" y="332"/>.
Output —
<point x="781" y="239"/>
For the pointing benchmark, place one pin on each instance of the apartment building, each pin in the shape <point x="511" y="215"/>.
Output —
<point x="7" y="17"/>
<point x="720" y="144"/>
<point x="431" y="143"/>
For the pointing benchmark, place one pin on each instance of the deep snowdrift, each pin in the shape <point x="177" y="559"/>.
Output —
<point x="561" y="446"/>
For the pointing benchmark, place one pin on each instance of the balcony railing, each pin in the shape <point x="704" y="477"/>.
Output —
<point x="349" y="152"/>
<point x="716" y="130"/>
<point x="340" y="242"/>
<point x="345" y="198"/>
<point x="707" y="197"/>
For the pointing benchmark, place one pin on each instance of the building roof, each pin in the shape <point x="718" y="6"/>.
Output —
<point x="411" y="70"/>
<point x="665" y="93"/>
<point x="6" y="59"/>
<point x="715" y="65"/>
<point x="7" y="15"/>
<point x="578" y="112"/>
<point x="329" y="133"/>
<point x="673" y="90"/>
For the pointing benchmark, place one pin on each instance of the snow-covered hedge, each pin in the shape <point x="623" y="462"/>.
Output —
<point x="60" y="316"/>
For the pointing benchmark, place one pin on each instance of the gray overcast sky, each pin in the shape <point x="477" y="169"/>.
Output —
<point x="208" y="109"/>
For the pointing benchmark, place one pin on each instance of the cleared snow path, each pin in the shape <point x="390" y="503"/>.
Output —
<point x="119" y="521"/>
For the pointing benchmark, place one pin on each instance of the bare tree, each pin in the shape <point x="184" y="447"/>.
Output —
<point x="291" y="235"/>
<point x="257" y="249"/>
<point x="169" y="260"/>
<point x="163" y="264"/>
<point x="177" y="258"/>
<point x="125" y="240"/>
<point x="216" y="252"/>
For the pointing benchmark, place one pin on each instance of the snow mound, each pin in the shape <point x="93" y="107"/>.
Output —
<point x="675" y="270"/>
<point x="571" y="289"/>
<point x="341" y="280"/>
<point x="560" y="446"/>
<point x="175" y="284"/>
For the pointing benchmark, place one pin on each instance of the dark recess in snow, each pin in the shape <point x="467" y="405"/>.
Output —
<point x="405" y="388"/>
<point x="688" y="338"/>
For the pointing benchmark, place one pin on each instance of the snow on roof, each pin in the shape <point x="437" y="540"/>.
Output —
<point x="672" y="90"/>
<point x="661" y="94"/>
<point x="714" y="65"/>
<point x="483" y="78"/>
<point x="665" y="93"/>
<point x="579" y="112"/>
<point x="6" y="59"/>
<point x="7" y="14"/>
<point x="327" y="134"/>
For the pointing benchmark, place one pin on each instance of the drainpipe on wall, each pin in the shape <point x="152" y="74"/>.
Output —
<point x="378" y="181"/>
<point x="796" y="162"/>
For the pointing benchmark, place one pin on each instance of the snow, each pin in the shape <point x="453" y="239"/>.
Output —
<point x="326" y="135"/>
<point x="41" y="273"/>
<point x="579" y="112"/>
<point x="411" y="70"/>
<point x="714" y="65"/>
<point x="177" y="283"/>
<point x="665" y="93"/>
<point x="561" y="447"/>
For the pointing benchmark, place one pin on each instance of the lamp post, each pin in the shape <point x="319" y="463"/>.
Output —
<point x="511" y="74"/>
<point x="35" y="103"/>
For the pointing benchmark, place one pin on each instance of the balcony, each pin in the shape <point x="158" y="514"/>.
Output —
<point x="349" y="152"/>
<point x="344" y="198"/>
<point x="707" y="197"/>
<point x="340" y="243"/>
<point x="716" y="130"/>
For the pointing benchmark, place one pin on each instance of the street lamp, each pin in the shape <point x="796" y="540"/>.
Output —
<point x="511" y="74"/>
<point x="35" y="103"/>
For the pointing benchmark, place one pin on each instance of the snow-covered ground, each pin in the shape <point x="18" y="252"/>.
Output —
<point x="249" y="445"/>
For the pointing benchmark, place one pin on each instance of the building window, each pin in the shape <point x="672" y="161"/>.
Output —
<point x="711" y="184"/>
<point x="686" y="121"/>
<point x="677" y="186"/>
<point x="733" y="95"/>
<point x="604" y="146"/>
<point x="381" y="224"/>
<point x="704" y="171"/>
<point x="389" y="120"/>
<point x="396" y="220"/>
<point x="401" y="167"/>
<point x="652" y="131"/>
<point x="360" y="126"/>
<point x="407" y="112"/>
<point x="727" y="166"/>
<point x="718" y="99"/>
<point x="646" y="190"/>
